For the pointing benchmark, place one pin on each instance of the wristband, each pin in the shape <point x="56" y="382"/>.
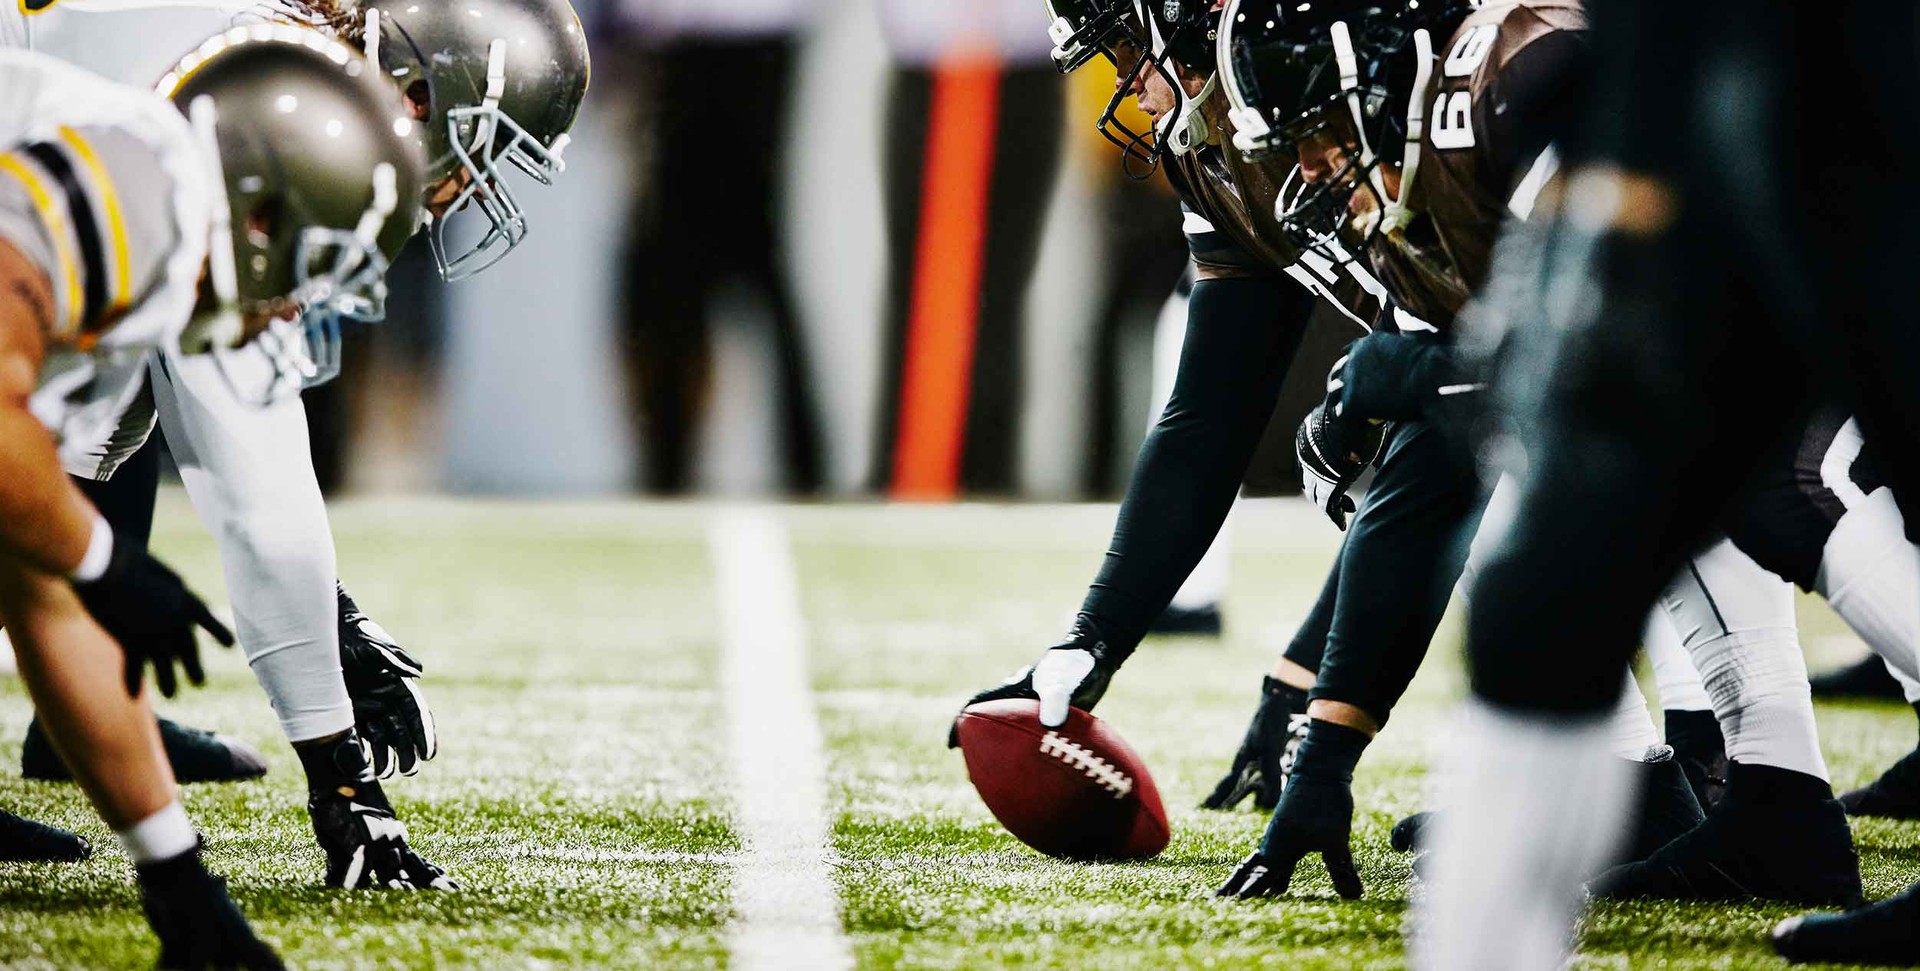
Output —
<point x="99" y="553"/>
<point x="162" y="836"/>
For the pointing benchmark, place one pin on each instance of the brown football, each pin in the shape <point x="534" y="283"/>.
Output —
<point x="1077" y="791"/>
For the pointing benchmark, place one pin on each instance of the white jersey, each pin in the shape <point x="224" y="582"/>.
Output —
<point x="130" y="41"/>
<point x="105" y="187"/>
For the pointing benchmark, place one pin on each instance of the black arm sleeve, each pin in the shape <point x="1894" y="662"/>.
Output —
<point x="1241" y="337"/>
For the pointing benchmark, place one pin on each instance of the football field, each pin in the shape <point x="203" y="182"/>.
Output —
<point x="589" y="795"/>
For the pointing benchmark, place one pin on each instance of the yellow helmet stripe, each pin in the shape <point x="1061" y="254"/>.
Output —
<point x="122" y="280"/>
<point x="56" y="223"/>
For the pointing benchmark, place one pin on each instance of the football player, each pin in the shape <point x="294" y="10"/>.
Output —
<point x="1243" y="328"/>
<point x="1671" y="324"/>
<point x="1496" y="86"/>
<point x="1245" y="318"/>
<point x="125" y="229"/>
<point x="492" y="83"/>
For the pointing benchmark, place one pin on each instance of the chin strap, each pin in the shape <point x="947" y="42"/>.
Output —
<point x="1189" y="126"/>
<point x="1394" y="215"/>
<point x="1397" y="215"/>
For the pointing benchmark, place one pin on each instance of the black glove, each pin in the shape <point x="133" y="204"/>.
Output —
<point x="1073" y="673"/>
<point x="151" y="613"/>
<point x="1265" y="757"/>
<point x="1332" y="456"/>
<point x="196" y="921"/>
<point x="1386" y="376"/>
<point x="389" y="711"/>
<point x="1315" y="816"/>
<point x="365" y="844"/>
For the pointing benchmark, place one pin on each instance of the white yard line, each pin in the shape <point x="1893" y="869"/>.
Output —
<point x="785" y="906"/>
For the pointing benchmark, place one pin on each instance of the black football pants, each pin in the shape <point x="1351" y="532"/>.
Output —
<point x="1680" y="345"/>
<point x="1241" y="338"/>
<point x="1376" y="614"/>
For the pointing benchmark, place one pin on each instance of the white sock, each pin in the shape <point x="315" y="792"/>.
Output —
<point x="1737" y="622"/>
<point x="1535" y="806"/>
<point x="1870" y="574"/>
<point x="161" y="836"/>
<point x="1630" y="731"/>
<point x="1674" y="675"/>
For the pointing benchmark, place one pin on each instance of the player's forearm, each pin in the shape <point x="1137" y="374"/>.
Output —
<point x="1241" y="338"/>
<point x="44" y="519"/>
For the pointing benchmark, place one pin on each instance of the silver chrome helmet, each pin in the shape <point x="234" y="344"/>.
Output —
<point x="320" y="171"/>
<point x="493" y="81"/>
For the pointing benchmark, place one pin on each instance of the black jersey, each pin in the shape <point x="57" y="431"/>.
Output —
<point x="1503" y="85"/>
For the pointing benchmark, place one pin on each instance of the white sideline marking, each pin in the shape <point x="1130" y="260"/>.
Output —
<point x="785" y="906"/>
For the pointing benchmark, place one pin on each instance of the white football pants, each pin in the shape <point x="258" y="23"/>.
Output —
<point x="250" y="476"/>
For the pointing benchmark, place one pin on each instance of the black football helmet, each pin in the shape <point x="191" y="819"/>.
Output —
<point x="1137" y="36"/>
<point x="1356" y="69"/>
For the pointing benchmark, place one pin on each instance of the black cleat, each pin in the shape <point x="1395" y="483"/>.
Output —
<point x="197" y="756"/>
<point x="23" y="840"/>
<point x="1701" y="751"/>
<point x="1187" y="622"/>
<point x="1777" y="835"/>
<point x="1666" y="811"/>
<point x="366" y="846"/>
<point x="197" y="922"/>
<point x="1410" y="834"/>
<point x="1884" y="933"/>
<point x="1866" y="678"/>
<point x="1895" y="795"/>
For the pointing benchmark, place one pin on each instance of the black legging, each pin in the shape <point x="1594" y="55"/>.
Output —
<point x="126" y="500"/>
<point x="1374" y="619"/>
<point x="1241" y="336"/>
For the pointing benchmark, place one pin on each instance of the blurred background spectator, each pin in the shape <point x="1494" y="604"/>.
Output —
<point x="973" y="134"/>
<point x="714" y="84"/>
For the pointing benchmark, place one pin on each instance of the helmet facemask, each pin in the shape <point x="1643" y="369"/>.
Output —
<point x="1338" y="96"/>
<point x="1115" y="29"/>
<point x="466" y="148"/>
<point x="341" y="276"/>
<point x="481" y="136"/>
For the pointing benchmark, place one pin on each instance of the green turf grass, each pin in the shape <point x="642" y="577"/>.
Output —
<point x="581" y="792"/>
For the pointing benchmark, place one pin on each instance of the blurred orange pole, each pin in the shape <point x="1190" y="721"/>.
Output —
<point x="943" y="312"/>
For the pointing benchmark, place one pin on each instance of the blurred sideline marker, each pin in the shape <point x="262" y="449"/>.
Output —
<point x="785" y="906"/>
<point x="943" y="314"/>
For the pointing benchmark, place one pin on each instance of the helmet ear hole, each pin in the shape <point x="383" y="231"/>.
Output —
<point x="419" y="98"/>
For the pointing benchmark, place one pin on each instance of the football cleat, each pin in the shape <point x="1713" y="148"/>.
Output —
<point x="1886" y="933"/>
<point x="197" y="922"/>
<point x="23" y="840"/>
<point x="1267" y="750"/>
<point x="366" y="846"/>
<point x="389" y="711"/>
<point x="1894" y="795"/>
<point x="1777" y="835"/>
<point x="1866" y="678"/>
<point x="1666" y="811"/>
<point x="196" y="755"/>
<point x="1187" y="622"/>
